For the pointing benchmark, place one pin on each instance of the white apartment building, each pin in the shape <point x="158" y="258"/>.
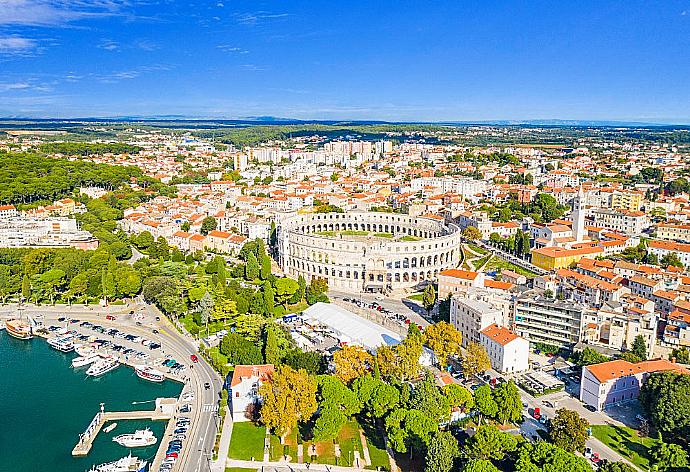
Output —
<point x="471" y="316"/>
<point x="508" y="352"/>
<point x="662" y="248"/>
<point x="44" y="232"/>
<point x="466" y="187"/>
<point x="624" y="221"/>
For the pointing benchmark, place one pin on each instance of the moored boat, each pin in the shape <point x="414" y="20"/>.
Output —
<point x="110" y="427"/>
<point x="19" y="329"/>
<point x="126" y="464"/>
<point x="83" y="361"/>
<point x="139" y="438"/>
<point x="149" y="373"/>
<point x="61" y="344"/>
<point x="103" y="366"/>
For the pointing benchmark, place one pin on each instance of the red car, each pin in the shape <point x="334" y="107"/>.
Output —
<point x="595" y="458"/>
<point x="536" y="414"/>
<point x="194" y="358"/>
<point x="171" y="454"/>
<point x="110" y="317"/>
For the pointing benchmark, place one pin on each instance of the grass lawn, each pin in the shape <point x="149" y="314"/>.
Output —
<point x="290" y="447"/>
<point x="498" y="264"/>
<point x="247" y="441"/>
<point x="239" y="469"/>
<point x="384" y="235"/>
<point x="626" y="442"/>
<point x="377" y="454"/>
<point x="349" y="442"/>
<point x="478" y="263"/>
<point x="477" y="249"/>
<point x="330" y="234"/>
<point x="407" y="237"/>
<point x="352" y="232"/>
<point x="416" y="297"/>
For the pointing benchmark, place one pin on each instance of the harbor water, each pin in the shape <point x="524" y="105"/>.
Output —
<point x="45" y="404"/>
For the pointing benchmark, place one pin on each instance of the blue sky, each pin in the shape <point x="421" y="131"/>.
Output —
<point x="377" y="59"/>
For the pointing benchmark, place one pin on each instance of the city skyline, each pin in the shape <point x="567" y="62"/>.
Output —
<point x="620" y="61"/>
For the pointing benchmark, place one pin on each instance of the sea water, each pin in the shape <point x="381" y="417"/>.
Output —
<point x="45" y="404"/>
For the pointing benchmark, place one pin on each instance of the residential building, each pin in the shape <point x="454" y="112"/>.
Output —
<point x="625" y="221"/>
<point x="663" y="248"/>
<point x="543" y="320"/>
<point x="673" y="232"/>
<point x="452" y="281"/>
<point x="508" y="352"/>
<point x="613" y="382"/>
<point x="470" y="316"/>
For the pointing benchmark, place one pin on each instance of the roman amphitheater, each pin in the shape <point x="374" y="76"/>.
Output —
<point x="373" y="252"/>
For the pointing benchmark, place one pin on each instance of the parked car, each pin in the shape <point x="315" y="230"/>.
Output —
<point x="194" y="358"/>
<point x="110" y="318"/>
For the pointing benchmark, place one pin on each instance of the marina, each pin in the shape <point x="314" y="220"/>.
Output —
<point x="36" y="373"/>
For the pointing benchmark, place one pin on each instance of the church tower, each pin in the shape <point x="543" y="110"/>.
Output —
<point x="579" y="216"/>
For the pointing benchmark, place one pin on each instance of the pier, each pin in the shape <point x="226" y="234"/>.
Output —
<point x="102" y="417"/>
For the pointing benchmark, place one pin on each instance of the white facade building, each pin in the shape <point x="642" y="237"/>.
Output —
<point x="508" y="352"/>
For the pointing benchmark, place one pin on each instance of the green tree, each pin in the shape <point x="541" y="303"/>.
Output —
<point x="479" y="465"/>
<point x="665" y="398"/>
<point x="251" y="269"/>
<point x="681" y="355"/>
<point x="639" y="347"/>
<point x="265" y="269"/>
<point x="26" y="287"/>
<point x="240" y="351"/>
<point x="285" y="288"/>
<point x="107" y="285"/>
<point x="271" y="350"/>
<point x="507" y="398"/>
<point x="206" y="305"/>
<point x="490" y="443"/>
<point x="442" y="451"/>
<point x="568" y="430"/>
<point x="208" y="224"/>
<point x="328" y="424"/>
<point x="458" y="396"/>
<point x="616" y="467"/>
<point x="185" y="226"/>
<point x="144" y="240"/>
<point x="427" y="398"/>
<point x="669" y="457"/>
<point x="544" y="456"/>
<point x="429" y="298"/>
<point x="672" y="259"/>
<point x="484" y="401"/>
<point x="269" y="297"/>
<point x="409" y="429"/>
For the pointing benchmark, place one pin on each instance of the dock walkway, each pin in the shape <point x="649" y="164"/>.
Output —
<point x="87" y="437"/>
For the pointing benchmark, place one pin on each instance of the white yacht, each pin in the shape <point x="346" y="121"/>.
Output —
<point x="103" y="366"/>
<point x="126" y="464"/>
<point x="83" y="361"/>
<point x="61" y="344"/>
<point x="140" y="438"/>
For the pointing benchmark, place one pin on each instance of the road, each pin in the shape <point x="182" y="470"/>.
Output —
<point x="529" y="428"/>
<point x="197" y="448"/>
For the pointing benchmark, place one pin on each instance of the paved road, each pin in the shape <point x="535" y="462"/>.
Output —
<point x="197" y="449"/>
<point x="530" y="426"/>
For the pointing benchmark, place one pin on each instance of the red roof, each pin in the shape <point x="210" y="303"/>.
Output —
<point x="499" y="334"/>
<point x="264" y="373"/>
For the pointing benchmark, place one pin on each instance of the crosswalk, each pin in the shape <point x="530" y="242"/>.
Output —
<point x="208" y="407"/>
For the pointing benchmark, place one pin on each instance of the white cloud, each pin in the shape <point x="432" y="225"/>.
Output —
<point x="232" y="49"/>
<point x="109" y="45"/>
<point x="55" y="12"/>
<point x="16" y="45"/>
<point x="6" y="87"/>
